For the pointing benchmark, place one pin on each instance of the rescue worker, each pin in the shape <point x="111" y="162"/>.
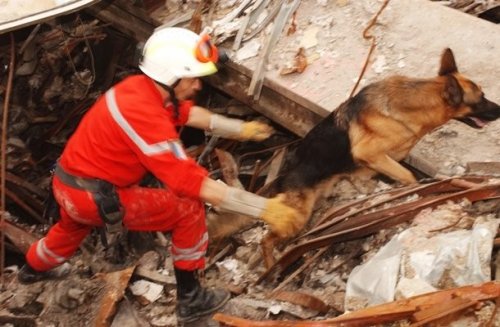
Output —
<point x="131" y="131"/>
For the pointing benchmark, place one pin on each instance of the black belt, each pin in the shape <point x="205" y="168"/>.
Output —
<point x="93" y="185"/>
<point x="104" y="194"/>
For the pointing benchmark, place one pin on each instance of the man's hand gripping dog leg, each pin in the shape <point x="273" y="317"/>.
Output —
<point x="280" y="216"/>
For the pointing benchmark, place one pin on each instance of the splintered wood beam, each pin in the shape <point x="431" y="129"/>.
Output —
<point x="31" y="211"/>
<point x="426" y="308"/>
<point x="21" y="238"/>
<point x="131" y="20"/>
<point x="369" y="223"/>
<point x="421" y="303"/>
<point x="116" y="283"/>
<point x="454" y="306"/>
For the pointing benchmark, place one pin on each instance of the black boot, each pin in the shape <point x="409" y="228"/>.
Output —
<point x="194" y="301"/>
<point x="28" y="275"/>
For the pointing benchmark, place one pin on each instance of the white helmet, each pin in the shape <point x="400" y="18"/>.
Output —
<point x="172" y="53"/>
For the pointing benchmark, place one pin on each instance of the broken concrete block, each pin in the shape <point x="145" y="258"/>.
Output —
<point x="148" y="292"/>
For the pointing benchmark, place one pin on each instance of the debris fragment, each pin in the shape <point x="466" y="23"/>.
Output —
<point x="303" y="299"/>
<point x="300" y="63"/>
<point x="56" y="80"/>
<point x="421" y="310"/>
<point x="147" y="292"/>
<point x="429" y="260"/>
<point x="309" y="39"/>
<point x="249" y="50"/>
<point x="116" y="283"/>
<point x="341" y="229"/>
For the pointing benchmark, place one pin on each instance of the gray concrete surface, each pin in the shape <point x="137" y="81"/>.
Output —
<point x="411" y="34"/>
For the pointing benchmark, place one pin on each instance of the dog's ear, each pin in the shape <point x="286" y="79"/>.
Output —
<point x="448" y="65"/>
<point x="453" y="93"/>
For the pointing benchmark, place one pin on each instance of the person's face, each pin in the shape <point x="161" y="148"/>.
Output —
<point x="187" y="88"/>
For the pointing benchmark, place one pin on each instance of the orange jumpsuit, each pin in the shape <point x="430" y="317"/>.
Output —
<point x="127" y="133"/>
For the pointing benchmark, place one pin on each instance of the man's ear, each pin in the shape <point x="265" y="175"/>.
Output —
<point x="448" y="65"/>
<point x="453" y="93"/>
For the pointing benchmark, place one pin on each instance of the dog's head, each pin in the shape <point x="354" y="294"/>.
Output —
<point x="466" y="97"/>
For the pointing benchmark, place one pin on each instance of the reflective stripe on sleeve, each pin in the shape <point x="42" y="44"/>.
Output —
<point x="148" y="149"/>
<point x="178" y="150"/>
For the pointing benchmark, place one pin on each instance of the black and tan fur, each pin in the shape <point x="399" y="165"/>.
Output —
<point x="374" y="130"/>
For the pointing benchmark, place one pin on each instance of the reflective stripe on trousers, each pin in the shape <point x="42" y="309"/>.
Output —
<point x="192" y="253"/>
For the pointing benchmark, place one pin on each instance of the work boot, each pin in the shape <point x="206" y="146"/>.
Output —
<point x="194" y="301"/>
<point x="28" y="275"/>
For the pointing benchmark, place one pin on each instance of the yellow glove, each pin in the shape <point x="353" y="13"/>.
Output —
<point x="283" y="219"/>
<point x="255" y="131"/>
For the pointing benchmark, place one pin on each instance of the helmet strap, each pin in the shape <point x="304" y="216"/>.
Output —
<point x="173" y="97"/>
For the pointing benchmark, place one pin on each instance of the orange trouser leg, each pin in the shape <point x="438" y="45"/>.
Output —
<point x="150" y="209"/>
<point x="60" y="243"/>
<point x="146" y="209"/>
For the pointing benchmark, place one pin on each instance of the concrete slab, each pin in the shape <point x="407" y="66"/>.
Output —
<point x="15" y="14"/>
<point x="411" y="34"/>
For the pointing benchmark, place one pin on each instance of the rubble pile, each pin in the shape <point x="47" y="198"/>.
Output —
<point x="59" y="72"/>
<point x="374" y="252"/>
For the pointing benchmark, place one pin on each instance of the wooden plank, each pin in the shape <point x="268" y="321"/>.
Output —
<point x="21" y="238"/>
<point x="137" y="11"/>
<point x="437" y="310"/>
<point x="440" y="311"/>
<point x="116" y="283"/>
<point x="387" y="312"/>
<point x="133" y="21"/>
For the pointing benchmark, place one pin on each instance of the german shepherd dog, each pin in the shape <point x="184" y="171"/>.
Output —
<point x="371" y="132"/>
